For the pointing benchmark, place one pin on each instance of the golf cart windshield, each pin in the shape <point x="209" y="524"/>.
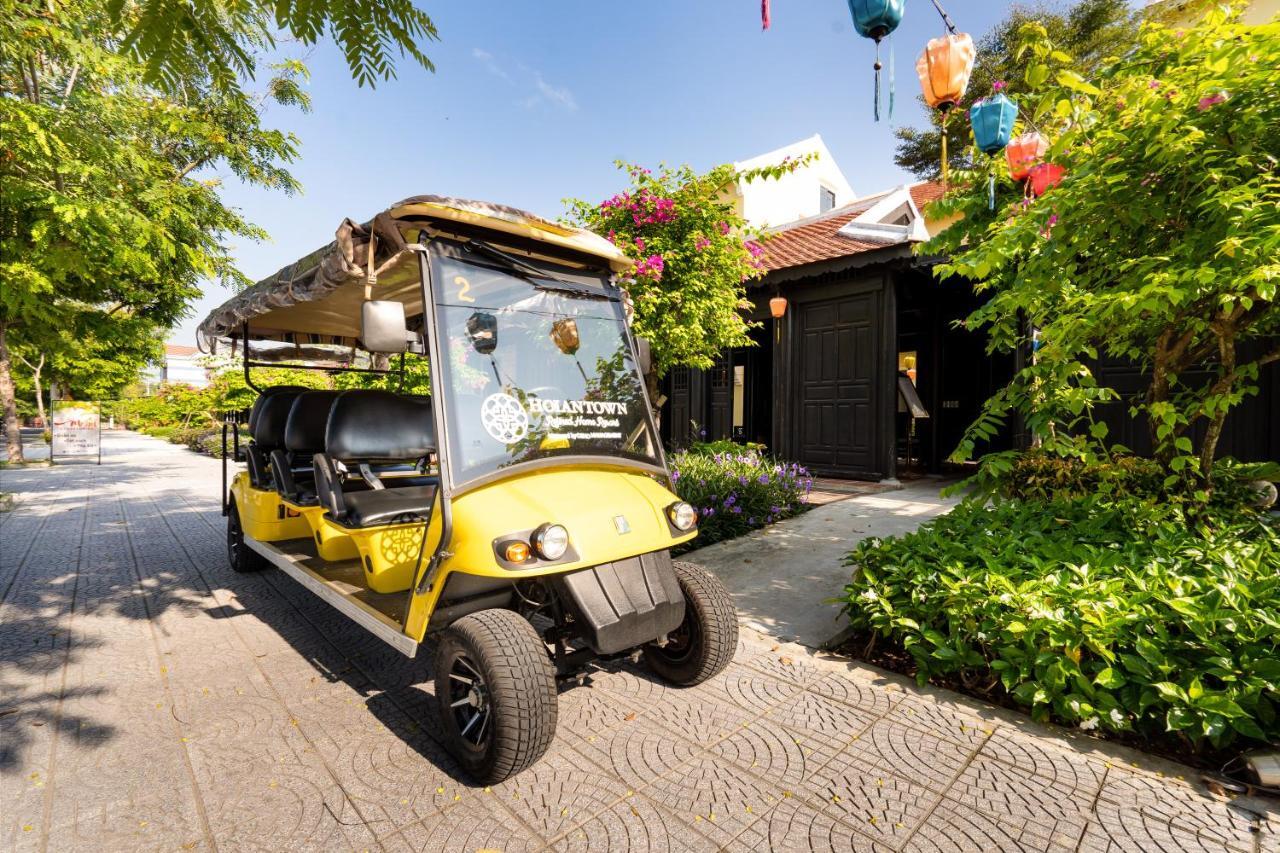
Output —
<point x="536" y="364"/>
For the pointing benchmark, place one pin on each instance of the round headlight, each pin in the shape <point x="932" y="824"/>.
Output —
<point x="551" y="541"/>
<point x="682" y="515"/>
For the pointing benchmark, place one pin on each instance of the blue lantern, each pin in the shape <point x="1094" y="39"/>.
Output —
<point x="992" y="119"/>
<point x="875" y="19"/>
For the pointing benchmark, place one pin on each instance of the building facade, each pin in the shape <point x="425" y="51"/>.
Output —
<point x="867" y="373"/>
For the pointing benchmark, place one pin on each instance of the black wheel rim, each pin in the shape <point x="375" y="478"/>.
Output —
<point x="469" y="702"/>
<point x="683" y="642"/>
<point x="233" y="538"/>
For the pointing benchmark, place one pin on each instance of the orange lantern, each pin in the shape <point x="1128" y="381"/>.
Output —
<point x="944" y="69"/>
<point x="1044" y="177"/>
<point x="778" y="307"/>
<point x="1024" y="152"/>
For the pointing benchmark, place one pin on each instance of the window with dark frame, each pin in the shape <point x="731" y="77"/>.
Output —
<point x="827" y="199"/>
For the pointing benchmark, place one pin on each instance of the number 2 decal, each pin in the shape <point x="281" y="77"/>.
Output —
<point x="464" y="287"/>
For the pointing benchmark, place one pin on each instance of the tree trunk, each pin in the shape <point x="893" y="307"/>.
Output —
<point x="36" y="370"/>
<point x="1227" y="353"/>
<point x="8" y="402"/>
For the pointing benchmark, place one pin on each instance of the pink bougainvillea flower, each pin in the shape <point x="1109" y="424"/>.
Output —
<point x="998" y="85"/>
<point x="701" y="243"/>
<point x="1210" y="100"/>
<point x="1154" y="84"/>
<point x="724" y="227"/>
<point x="640" y="244"/>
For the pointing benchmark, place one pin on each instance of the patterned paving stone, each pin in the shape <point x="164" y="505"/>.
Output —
<point x="794" y="826"/>
<point x="942" y="721"/>
<point x="822" y="718"/>
<point x="853" y="689"/>
<point x="913" y="755"/>
<point x="1141" y="801"/>
<point x="1013" y="794"/>
<point x="774" y="752"/>
<point x="715" y="798"/>
<point x="953" y="828"/>
<point x="150" y="698"/>
<point x="636" y="824"/>
<point x="636" y="753"/>
<point x="561" y="791"/>
<point x="881" y="805"/>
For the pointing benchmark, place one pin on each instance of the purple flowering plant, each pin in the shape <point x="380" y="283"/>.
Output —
<point x="737" y="490"/>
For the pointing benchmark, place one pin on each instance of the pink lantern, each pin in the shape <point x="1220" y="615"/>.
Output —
<point x="1024" y="152"/>
<point x="1045" y="177"/>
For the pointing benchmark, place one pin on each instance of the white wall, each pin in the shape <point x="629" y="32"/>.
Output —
<point x="766" y="202"/>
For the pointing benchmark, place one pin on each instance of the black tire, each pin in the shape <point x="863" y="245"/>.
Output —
<point x="495" y="662"/>
<point x="242" y="558"/>
<point x="706" y="640"/>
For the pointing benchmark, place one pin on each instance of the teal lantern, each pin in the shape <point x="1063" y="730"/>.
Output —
<point x="875" y="19"/>
<point x="992" y="119"/>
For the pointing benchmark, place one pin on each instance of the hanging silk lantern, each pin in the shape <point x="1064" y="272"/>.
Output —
<point x="944" y="70"/>
<point x="1024" y="152"/>
<point x="1044" y="177"/>
<point x="992" y="120"/>
<point x="875" y="19"/>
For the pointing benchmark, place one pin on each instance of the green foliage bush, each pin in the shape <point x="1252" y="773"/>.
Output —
<point x="738" y="491"/>
<point x="1115" y="613"/>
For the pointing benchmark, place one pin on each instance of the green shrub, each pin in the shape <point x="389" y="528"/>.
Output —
<point x="1123" y="615"/>
<point x="1040" y="476"/>
<point x="158" y="431"/>
<point x="738" y="491"/>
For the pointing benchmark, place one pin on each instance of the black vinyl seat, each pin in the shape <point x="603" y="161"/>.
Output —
<point x="267" y="420"/>
<point x="291" y="466"/>
<point x="368" y="429"/>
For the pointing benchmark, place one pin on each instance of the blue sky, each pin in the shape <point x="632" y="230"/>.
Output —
<point x="532" y="102"/>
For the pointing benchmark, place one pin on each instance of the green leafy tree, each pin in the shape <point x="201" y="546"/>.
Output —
<point x="1089" y="30"/>
<point x="177" y="41"/>
<point x="112" y="114"/>
<point x="1161" y="246"/>
<point x="694" y="254"/>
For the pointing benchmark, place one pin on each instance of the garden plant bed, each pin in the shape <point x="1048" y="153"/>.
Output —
<point x="1148" y="621"/>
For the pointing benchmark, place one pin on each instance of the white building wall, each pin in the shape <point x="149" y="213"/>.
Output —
<point x="767" y="202"/>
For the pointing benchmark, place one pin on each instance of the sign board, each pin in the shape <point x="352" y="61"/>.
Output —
<point x="77" y="430"/>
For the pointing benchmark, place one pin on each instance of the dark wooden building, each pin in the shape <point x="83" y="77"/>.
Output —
<point x="825" y="384"/>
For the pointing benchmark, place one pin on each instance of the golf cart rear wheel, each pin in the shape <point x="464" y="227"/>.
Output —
<point x="705" y="642"/>
<point x="242" y="558"/>
<point x="496" y="690"/>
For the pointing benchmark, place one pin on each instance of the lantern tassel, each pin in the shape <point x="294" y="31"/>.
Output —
<point x="944" y="150"/>
<point x="891" y="78"/>
<point x="876" y="97"/>
<point x="991" y="191"/>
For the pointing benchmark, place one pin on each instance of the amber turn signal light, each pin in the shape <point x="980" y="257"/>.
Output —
<point x="516" y="552"/>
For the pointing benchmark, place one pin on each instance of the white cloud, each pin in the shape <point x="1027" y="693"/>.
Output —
<point x="539" y="90"/>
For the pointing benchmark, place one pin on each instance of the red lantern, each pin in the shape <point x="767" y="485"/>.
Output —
<point x="778" y="306"/>
<point x="1045" y="177"/>
<point x="1024" y="152"/>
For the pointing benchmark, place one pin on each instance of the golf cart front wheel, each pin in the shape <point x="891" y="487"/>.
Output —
<point x="242" y="558"/>
<point x="496" y="691"/>
<point x="705" y="642"/>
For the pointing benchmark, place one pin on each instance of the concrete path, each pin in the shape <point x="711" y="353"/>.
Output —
<point x="782" y="576"/>
<point x="150" y="699"/>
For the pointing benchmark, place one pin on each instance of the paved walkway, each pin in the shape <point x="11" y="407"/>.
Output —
<point x="150" y="699"/>
<point x="782" y="576"/>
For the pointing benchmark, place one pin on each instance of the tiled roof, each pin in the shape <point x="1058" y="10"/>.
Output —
<point x="818" y="238"/>
<point x="179" y="349"/>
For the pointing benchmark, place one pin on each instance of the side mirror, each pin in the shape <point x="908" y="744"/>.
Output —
<point x="382" y="327"/>
<point x="646" y="355"/>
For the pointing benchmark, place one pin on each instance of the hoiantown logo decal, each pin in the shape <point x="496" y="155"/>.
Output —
<point x="504" y="418"/>
<point x="620" y="522"/>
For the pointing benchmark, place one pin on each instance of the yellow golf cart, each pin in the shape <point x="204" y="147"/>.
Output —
<point x="521" y="513"/>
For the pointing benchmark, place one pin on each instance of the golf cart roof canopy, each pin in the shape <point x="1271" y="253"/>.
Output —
<point x="316" y="300"/>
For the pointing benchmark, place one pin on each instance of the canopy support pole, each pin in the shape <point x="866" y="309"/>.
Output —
<point x="248" y="380"/>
